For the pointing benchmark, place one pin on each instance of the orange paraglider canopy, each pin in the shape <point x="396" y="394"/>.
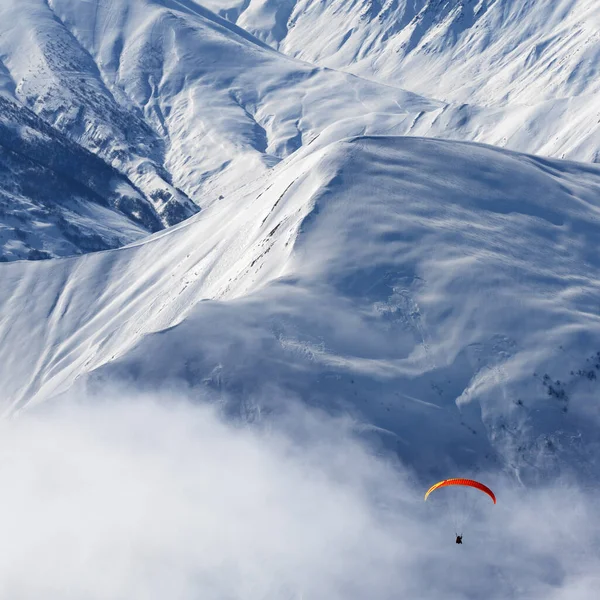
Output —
<point x="466" y="482"/>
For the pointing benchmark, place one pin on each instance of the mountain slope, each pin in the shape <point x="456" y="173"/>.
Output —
<point x="171" y="96"/>
<point x="538" y="57"/>
<point x="484" y="50"/>
<point x="58" y="199"/>
<point x="181" y="102"/>
<point x="189" y="107"/>
<point x="456" y="300"/>
<point x="59" y="81"/>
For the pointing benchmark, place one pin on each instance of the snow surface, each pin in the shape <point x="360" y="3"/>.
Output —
<point x="432" y="298"/>
<point x="49" y="208"/>
<point x="189" y="107"/>
<point x="369" y="298"/>
<point x="536" y="60"/>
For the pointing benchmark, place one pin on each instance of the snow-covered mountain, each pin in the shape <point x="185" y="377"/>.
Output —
<point x="485" y="50"/>
<point x="353" y="216"/>
<point x="182" y="103"/>
<point x="186" y="105"/>
<point x="189" y="107"/>
<point x="457" y="297"/>
<point x="537" y="60"/>
<point x="58" y="199"/>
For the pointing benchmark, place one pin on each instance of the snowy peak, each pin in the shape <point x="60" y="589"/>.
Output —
<point x="392" y="38"/>
<point x="535" y="61"/>
<point x="189" y="107"/>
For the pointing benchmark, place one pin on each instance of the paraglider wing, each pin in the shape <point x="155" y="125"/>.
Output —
<point x="466" y="482"/>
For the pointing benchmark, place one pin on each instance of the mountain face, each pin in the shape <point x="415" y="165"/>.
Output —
<point x="451" y="309"/>
<point x="447" y="263"/>
<point x="187" y="106"/>
<point x="321" y="253"/>
<point x="544" y="49"/>
<point x="58" y="199"/>
<point x="537" y="58"/>
<point x="121" y="117"/>
<point x="55" y="77"/>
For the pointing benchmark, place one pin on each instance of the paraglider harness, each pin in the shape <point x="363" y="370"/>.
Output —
<point x="458" y="539"/>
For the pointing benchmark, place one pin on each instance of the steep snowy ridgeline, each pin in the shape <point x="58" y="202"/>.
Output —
<point x="483" y="50"/>
<point x="55" y="77"/>
<point x="540" y="57"/>
<point x="443" y="294"/>
<point x="169" y="88"/>
<point x="57" y="199"/>
<point x="184" y="88"/>
<point x="175" y="88"/>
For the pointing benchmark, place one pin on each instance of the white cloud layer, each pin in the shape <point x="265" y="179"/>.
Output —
<point x="152" y="499"/>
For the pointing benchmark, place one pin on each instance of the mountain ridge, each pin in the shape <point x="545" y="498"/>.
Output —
<point x="294" y="267"/>
<point x="256" y="299"/>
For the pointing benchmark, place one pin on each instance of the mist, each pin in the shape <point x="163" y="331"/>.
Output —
<point x="159" y="498"/>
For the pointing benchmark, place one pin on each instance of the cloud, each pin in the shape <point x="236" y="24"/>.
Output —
<point x="153" y="499"/>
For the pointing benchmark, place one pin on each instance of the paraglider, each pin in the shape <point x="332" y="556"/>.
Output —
<point x="466" y="483"/>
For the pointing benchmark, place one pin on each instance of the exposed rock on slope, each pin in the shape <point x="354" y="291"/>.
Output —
<point x="56" y="198"/>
